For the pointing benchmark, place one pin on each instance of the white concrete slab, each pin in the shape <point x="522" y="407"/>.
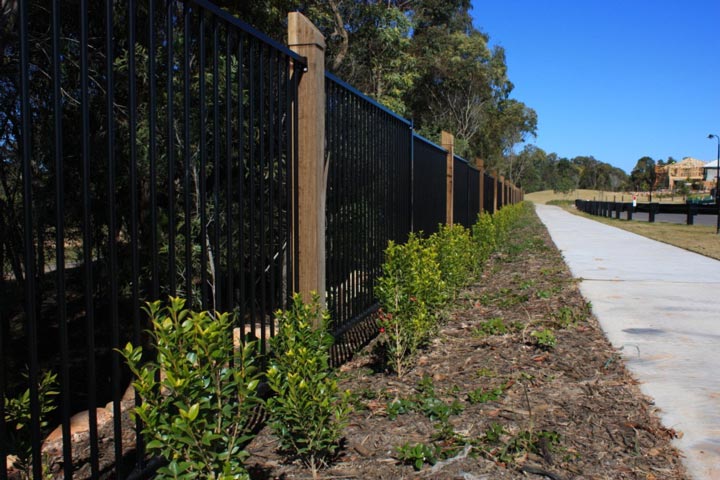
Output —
<point x="661" y="306"/>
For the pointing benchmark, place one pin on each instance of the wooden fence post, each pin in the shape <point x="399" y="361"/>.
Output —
<point x="305" y="39"/>
<point x="481" y="166"/>
<point x="448" y="143"/>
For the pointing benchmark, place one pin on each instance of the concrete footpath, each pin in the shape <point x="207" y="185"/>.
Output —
<point x="661" y="306"/>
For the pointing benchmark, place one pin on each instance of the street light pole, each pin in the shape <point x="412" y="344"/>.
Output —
<point x="717" y="182"/>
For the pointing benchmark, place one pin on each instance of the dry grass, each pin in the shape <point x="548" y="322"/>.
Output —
<point x="700" y="239"/>
<point x="546" y="195"/>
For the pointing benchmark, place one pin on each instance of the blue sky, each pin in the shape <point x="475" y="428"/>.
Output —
<point x="614" y="79"/>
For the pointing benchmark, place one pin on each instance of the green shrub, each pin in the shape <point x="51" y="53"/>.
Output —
<point x="307" y="413"/>
<point x="493" y="326"/>
<point x="198" y="394"/>
<point x="409" y="290"/>
<point x="483" y="234"/>
<point x="18" y="418"/>
<point x="418" y="454"/>
<point x="456" y="255"/>
<point x="504" y="221"/>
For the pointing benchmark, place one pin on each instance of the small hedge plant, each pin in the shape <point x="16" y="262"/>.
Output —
<point x="456" y="255"/>
<point x="484" y="237"/>
<point x="308" y="412"/>
<point x="18" y="419"/>
<point x="504" y="221"/>
<point x="419" y="278"/>
<point x="409" y="290"/>
<point x="198" y="393"/>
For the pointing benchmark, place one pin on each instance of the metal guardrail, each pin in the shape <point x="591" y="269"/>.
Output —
<point x="625" y="210"/>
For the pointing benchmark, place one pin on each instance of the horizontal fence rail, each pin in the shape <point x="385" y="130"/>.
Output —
<point x="368" y="159"/>
<point x="147" y="151"/>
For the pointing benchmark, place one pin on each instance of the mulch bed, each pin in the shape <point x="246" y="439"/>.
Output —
<point x="571" y="411"/>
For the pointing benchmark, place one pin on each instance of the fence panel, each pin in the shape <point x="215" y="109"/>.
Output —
<point x="489" y="193"/>
<point x="499" y="194"/>
<point x="429" y="194"/>
<point x="147" y="152"/>
<point x="473" y="195"/>
<point x="460" y="191"/>
<point x="368" y="197"/>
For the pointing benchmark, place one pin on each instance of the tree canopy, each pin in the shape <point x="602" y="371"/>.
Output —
<point x="423" y="59"/>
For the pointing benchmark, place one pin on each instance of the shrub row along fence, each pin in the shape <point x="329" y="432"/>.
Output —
<point x="625" y="210"/>
<point x="167" y="148"/>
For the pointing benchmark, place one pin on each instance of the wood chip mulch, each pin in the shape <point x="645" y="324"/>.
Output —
<point x="571" y="411"/>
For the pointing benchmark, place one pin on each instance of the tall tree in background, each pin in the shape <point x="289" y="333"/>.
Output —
<point x="642" y="176"/>
<point x="423" y="59"/>
<point x="462" y="85"/>
<point x="568" y="176"/>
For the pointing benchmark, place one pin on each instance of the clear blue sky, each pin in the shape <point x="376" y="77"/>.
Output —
<point x="615" y="79"/>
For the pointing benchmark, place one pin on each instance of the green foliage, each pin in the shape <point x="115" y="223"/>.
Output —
<point x="544" y="339"/>
<point x="307" y="413"/>
<point x="483" y="234"/>
<point x="643" y="175"/>
<point x="504" y="298"/>
<point x="528" y="442"/>
<point x="561" y="203"/>
<point x="426" y="402"/>
<point x="198" y="393"/>
<point x="456" y="255"/>
<point x="409" y="290"/>
<point x="493" y="433"/>
<point x="417" y="454"/>
<point x="494" y="326"/>
<point x="18" y="419"/>
<point x="419" y="276"/>
<point x="565" y="316"/>
<point x="504" y="220"/>
<point x="480" y="395"/>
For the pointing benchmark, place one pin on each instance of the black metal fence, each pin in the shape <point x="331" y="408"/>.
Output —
<point x="368" y="158"/>
<point x="466" y="192"/>
<point x="147" y="151"/>
<point x="489" y="194"/>
<point x="429" y="185"/>
<point x="625" y="210"/>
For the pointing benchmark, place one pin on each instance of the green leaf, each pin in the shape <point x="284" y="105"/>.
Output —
<point x="193" y="412"/>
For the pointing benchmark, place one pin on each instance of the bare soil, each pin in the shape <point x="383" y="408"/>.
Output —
<point x="514" y="408"/>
